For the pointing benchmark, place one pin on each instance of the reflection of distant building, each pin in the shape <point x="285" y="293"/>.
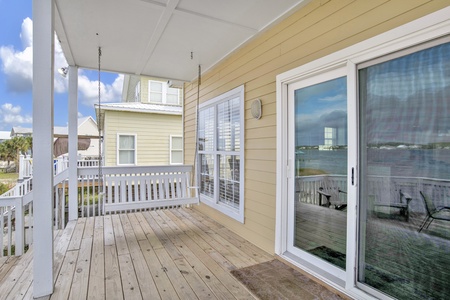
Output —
<point x="333" y="137"/>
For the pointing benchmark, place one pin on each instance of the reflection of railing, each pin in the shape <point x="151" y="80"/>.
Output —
<point x="308" y="187"/>
<point x="383" y="188"/>
<point x="379" y="189"/>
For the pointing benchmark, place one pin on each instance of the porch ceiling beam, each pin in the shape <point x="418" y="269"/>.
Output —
<point x="181" y="11"/>
<point x="156" y="36"/>
<point x="169" y="10"/>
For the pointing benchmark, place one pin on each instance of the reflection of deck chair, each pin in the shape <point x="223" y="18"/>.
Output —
<point x="433" y="213"/>
<point x="331" y="195"/>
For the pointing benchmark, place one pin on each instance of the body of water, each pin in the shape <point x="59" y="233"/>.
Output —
<point x="430" y="163"/>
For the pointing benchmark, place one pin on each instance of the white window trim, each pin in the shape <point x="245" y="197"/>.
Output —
<point x="135" y="148"/>
<point x="171" y="150"/>
<point x="419" y="31"/>
<point x="165" y="89"/>
<point x="214" y="203"/>
<point x="137" y="92"/>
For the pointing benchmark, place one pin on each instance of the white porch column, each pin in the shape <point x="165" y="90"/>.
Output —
<point x="73" y="142"/>
<point x="43" y="53"/>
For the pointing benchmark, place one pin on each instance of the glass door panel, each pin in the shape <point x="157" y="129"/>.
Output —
<point x="404" y="226"/>
<point x="320" y="201"/>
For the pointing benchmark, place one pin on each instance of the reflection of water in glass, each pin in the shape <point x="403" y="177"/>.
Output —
<point x="429" y="163"/>
<point x="330" y="162"/>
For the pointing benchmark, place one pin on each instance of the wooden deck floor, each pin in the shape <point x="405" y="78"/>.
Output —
<point x="166" y="254"/>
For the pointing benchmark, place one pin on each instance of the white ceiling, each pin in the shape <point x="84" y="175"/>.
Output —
<point x="156" y="37"/>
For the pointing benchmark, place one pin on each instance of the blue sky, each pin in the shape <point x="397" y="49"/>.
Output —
<point x="16" y="73"/>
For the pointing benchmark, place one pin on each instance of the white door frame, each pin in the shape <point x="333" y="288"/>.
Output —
<point x="422" y="30"/>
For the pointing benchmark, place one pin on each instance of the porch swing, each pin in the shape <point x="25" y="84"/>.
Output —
<point x="135" y="188"/>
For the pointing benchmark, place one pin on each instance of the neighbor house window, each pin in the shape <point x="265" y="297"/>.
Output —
<point x="176" y="150"/>
<point x="160" y="92"/>
<point x="221" y="156"/>
<point x="126" y="149"/>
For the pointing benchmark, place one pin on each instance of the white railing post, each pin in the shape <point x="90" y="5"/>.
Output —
<point x="20" y="226"/>
<point x="21" y="167"/>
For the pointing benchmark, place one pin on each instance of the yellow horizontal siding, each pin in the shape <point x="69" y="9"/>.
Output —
<point x="315" y="30"/>
<point x="152" y="134"/>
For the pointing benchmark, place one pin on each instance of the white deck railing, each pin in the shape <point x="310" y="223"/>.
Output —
<point x="16" y="214"/>
<point x="25" y="167"/>
<point x="131" y="181"/>
<point x="60" y="164"/>
<point x="16" y="205"/>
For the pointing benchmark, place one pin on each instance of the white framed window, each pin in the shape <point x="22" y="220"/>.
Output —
<point x="221" y="157"/>
<point x="126" y="149"/>
<point x="160" y="92"/>
<point x="176" y="150"/>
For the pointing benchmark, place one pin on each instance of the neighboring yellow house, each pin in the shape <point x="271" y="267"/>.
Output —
<point x="146" y="128"/>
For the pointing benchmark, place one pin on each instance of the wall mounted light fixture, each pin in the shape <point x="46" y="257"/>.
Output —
<point x="256" y="109"/>
<point x="63" y="71"/>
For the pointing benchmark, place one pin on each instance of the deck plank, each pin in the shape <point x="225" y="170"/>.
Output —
<point x="212" y="259"/>
<point x="23" y="284"/>
<point x="65" y="276"/>
<point x="119" y="236"/>
<point x="146" y="284"/>
<point x="61" y="244"/>
<point x="256" y="253"/>
<point x="21" y="266"/>
<point x="162" y="282"/>
<point x="80" y="282"/>
<point x="219" y="253"/>
<point x="7" y="264"/>
<point x="108" y="231"/>
<point x="187" y="268"/>
<point x="130" y="283"/>
<point x="75" y="241"/>
<point x="113" y="284"/>
<point x="212" y="274"/>
<point x="179" y="283"/>
<point x="96" y="290"/>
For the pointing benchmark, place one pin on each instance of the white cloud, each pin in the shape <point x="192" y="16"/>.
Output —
<point x="340" y="97"/>
<point x="18" y="68"/>
<point x="27" y="33"/>
<point x="108" y="92"/>
<point x="10" y="116"/>
<point x="18" y="64"/>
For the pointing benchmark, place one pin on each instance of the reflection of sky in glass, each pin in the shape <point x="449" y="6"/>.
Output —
<point x="407" y="99"/>
<point x="319" y="106"/>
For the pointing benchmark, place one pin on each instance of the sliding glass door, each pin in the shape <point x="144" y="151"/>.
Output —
<point x="404" y="241"/>
<point x="318" y="203"/>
